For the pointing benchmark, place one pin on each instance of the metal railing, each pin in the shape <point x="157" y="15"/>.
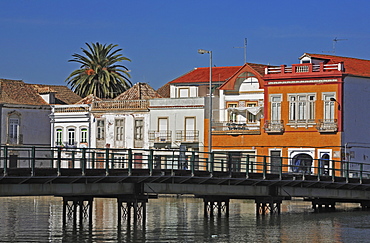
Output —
<point x="190" y="136"/>
<point x="327" y="125"/>
<point x="228" y="126"/>
<point x="274" y="126"/>
<point x="160" y="136"/>
<point x="81" y="160"/>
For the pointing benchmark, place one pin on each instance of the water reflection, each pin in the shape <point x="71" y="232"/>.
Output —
<point x="25" y="219"/>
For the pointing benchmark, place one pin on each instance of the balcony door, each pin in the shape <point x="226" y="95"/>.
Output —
<point x="189" y="128"/>
<point x="162" y="129"/>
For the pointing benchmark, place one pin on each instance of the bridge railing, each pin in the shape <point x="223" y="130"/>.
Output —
<point x="245" y="164"/>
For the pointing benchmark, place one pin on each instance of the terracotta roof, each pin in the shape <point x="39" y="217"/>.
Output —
<point x="140" y="91"/>
<point x="63" y="95"/>
<point x="88" y="100"/>
<point x="165" y="91"/>
<point x="352" y="66"/>
<point x="201" y="75"/>
<point x="18" y="92"/>
<point x="257" y="69"/>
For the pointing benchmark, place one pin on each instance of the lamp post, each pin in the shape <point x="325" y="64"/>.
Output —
<point x="201" y="51"/>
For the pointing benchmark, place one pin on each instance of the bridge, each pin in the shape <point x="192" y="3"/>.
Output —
<point x="133" y="176"/>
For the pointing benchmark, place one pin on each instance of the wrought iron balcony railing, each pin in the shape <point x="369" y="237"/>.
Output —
<point x="327" y="125"/>
<point x="274" y="126"/>
<point x="160" y="136"/>
<point x="235" y="127"/>
<point x="188" y="136"/>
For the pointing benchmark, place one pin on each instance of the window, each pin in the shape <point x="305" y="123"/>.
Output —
<point x="13" y="128"/>
<point x="329" y="105"/>
<point x="302" y="107"/>
<point x="275" y="107"/>
<point x="120" y="129"/>
<point x="183" y="92"/>
<point x="162" y="124"/>
<point x="59" y="137"/>
<point x="232" y="112"/>
<point x="100" y="129"/>
<point x="71" y="136"/>
<point x="83" y="135"/>
<point x="139" y="126"/>
<point x="250" y="117"/>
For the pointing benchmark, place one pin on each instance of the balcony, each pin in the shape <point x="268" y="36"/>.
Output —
<point x="329" y="125"/>
<point x="160" y="137"/>
<point x="187" y="136"/>
<point x="304" y="68"/>
<point x="235" y="128"/>
<point x="14" y="140"/>
<point x="274" y="126"/>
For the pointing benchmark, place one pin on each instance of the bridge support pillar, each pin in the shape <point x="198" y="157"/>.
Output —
<point x="132" y="208"/>
<point x="319" y="205"/>
<point x="81" y="204"/>
<point x="217" y="205"/>
<point x="267" y="205"/>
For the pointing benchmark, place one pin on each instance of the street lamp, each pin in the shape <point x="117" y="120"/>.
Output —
<point x="201" y="51"/>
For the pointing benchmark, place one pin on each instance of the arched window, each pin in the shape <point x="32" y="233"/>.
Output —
<point x="59" y="136"/>
<point x="83" y="135"/>
<point x="71" y="136"/>
<point x="301" y="163"/>
<point x="14" y="133"/>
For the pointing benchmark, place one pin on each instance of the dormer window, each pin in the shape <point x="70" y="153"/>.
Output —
<point x="306" y="61"/>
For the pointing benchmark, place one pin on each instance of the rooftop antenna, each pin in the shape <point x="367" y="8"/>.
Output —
<point x="245" y="50"/>
<point x="335" y="40"/>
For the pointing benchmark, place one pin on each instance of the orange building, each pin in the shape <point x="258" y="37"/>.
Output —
<point x="313" y="114"/>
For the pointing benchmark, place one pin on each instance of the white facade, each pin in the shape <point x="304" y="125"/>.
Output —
<point x="175" y="122"/>
<point x="243" y="105"/>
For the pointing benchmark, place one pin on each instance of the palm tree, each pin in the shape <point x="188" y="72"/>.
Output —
<point x="99" y="73"/>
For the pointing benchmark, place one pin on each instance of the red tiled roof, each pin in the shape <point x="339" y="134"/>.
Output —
<point x="63" y="94"/>
<point x="88" y="100"/>
<point x="140" y="91"/>
<point x="352" y="66"/>
<point x="201" y="75"/>
<point x="164" y="91"/>
<point x="18" y="92"/>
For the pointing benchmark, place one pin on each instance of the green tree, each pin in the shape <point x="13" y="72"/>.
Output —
<point x="99" y="73"/>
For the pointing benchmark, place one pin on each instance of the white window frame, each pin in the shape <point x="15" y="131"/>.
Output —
<point x="84" y="134"/>
<point x="119" y="128"/>
<point x="302" y="107"/>
<point x="329" y="106"/>
<point x="276" y="107"/>
<point x="71" y="135"/>
<point x="100" y="129"/>
<point x="58" y="136"/>
<point x="139" y="129"/>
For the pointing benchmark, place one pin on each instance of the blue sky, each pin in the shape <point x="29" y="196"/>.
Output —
<point x="162" y="37"/>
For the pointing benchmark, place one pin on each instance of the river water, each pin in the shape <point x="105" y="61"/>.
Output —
<point x="39" y="219"/>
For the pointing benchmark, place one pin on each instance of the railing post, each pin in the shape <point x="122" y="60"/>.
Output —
<point x="107" y="161"/>
<point x="361" y="170"/>
<point x="129" y="161"/>
<point x="211" y="161"/>
<point x="192" y="161"/>
<point x="93" y="160"/>
<point x="33" y="160"/>
<point x="150" y="161"/>
<point x="347" y="172"/>
<point x="83" y="161"/>
<point x="5" y="160"/>
<point x="333" y="171"/>
<point x="222" y="165"/>
<point x="281" y="169"/>
<point x="112" y="160"/>
<point x="247" y="167"/>
<point x="264" y="167"/>
<point x="59" y="160"/>
<point x="73" y="159"/>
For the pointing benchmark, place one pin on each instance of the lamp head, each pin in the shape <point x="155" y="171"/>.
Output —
<point x="201" y="51"/>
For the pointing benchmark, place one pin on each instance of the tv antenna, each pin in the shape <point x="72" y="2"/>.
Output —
<point x="335" y="40"/>
<point x="245" y="50"/>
